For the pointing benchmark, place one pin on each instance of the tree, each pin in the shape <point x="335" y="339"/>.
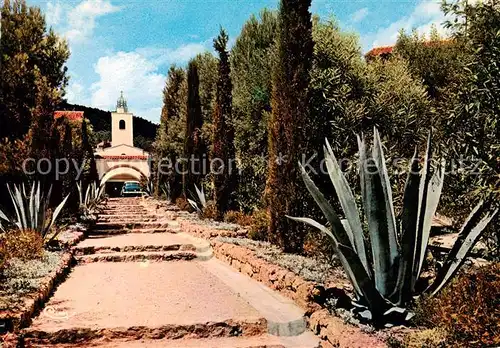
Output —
<point x="88" y="154"/>
<point x="472" y="129"/>
<point x="289" y="125"/>
<point x="438" y="62"/>
<point x="169" y="143"/>
<point x="208" y="73"/>
<point x="251" y="64"/>
<point x="339" y="84"/>
<point x="194" y="147"/>
<point x="30" y="54"/>
<point x="225" y="173"/>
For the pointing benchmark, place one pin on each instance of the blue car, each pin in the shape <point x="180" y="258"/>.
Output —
<point x="131" y="188"/>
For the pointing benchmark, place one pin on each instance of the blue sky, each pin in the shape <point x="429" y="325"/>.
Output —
<point x="129" y="44"/>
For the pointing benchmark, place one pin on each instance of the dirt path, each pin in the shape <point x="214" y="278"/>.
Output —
<point x="141" y="282"/>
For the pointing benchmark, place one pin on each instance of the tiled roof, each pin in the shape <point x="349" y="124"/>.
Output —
<point x="123" y="157"/>
<point x="380" y="50"/>
<point x="70" y="115"/>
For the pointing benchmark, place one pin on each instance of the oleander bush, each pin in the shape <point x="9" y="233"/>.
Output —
<point x="468" y="309"/>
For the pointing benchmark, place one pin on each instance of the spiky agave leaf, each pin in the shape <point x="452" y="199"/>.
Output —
<point x="341" y="234"/>
<point x="55" y="215"/>
<point x="195" y="206"/>
<point x="80" y="192"/>
<point x="379" y="210"/>
<point x="201" y="196"/>
<point x="431" y="185"/>
<point x="18" y="203"/>
<point x="408" y="233"/>
<point x="467" y="238"/>
<point x="348" y="203"/>
<point x="366" y="293"/>
<point x="3" y="217"/>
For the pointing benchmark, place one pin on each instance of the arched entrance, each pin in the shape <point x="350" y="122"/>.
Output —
<point x="116" y="176"/>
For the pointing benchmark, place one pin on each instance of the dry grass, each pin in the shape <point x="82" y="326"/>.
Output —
<point x="468" y="309"/>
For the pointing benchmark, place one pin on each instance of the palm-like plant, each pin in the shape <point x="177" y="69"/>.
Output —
<point x="385" y="286"/>
<point x="32" y="210"/>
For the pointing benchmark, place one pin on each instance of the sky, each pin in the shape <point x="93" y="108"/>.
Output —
<point x="129" y="45"/>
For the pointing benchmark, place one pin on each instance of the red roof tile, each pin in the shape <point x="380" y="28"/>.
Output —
<point x="377" y="51"/>
<point x="70" y="115"/>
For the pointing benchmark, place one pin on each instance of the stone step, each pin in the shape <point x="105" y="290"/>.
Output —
<point x="99" y="232"/>
<point x="84" y="335"/>
<point x="127" y="218"/>
<point x="80" y="251"/>
<point x="135" y="212"/>
<point x="141" y="248"/>
<point x="124" y="207"/>
<point x="131" y="225"/>
<point x="156" y="256"/>
<point x="260" y="341"/>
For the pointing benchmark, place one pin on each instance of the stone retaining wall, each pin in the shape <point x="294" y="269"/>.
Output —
<point x="308" y="295"/>
<point x="209" y="232"/>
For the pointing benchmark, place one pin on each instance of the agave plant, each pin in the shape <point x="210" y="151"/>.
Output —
<point x="32" y="210"/>
<point x="90" y="200"/>
<point x="93" y="195"/>
<point x="167" y="191"/>
<point x="385" y="286"/>
<point x="2" y="217"/>
<point x="201" y="198"/>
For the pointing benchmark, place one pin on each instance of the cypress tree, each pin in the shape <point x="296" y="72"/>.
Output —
<point x="69" y="179"/>
<point x="93" y="175"/>
<point x="169" y="144"/>
<point x="288" y="125"/>
<point x="194" y="147"/>
<point x="225" y="173"/>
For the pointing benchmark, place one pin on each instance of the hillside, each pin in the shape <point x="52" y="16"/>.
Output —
<point x="144" y="130"/>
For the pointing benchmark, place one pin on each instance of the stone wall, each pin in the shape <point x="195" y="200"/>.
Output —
<point x="308" y="295"/>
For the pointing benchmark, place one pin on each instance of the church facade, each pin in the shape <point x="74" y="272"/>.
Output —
<point x="120" y="161"/>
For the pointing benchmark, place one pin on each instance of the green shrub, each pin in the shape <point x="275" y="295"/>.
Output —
<point x="210" y="211"/>
<point x="468" y="309"/>
<point x="22" y="244"/>
<point x="259" y="225"/>
<point x="183" y="204"/>
<point x="3" y="255"/>
<point x="238" y="217"/>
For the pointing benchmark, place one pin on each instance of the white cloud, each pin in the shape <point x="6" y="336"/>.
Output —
<point x="74" y="92"/>
<point x="137" y="75"/>
<point x="425" y="15"/>
<point x="133" y="74"/>
<point x="81" y="20"/>
<point x="359" y="15"/>
<point x="180" y="55"/>
<point x="53" y="14"/>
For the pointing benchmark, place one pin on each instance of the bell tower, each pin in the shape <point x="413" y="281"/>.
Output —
<point x="122" y="127"/>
